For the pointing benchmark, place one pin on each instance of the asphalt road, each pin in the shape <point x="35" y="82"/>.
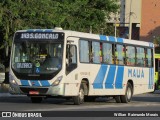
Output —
<point x="23" y="103"/>
<point x="141" y="103"/>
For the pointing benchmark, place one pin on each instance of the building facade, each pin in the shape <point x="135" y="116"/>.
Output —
<point x="142" y="16"/>
<point x="150" y="20"/>
<point x="129" y="16"/>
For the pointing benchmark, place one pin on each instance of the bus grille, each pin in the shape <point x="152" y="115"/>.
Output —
<point x="40" y="90"/>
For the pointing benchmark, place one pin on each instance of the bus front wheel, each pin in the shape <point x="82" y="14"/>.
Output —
<point x="128" y="94"/>
<point x="79" y="99"/>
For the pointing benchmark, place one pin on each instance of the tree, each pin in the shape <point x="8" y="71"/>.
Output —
<point x="24" y="14"/>
<point x="156" y="42"/>
<point x="79" y="15"/>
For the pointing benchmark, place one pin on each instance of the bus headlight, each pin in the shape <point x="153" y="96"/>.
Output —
<point x="57" y="81"/>
<point x="12" y="80"/>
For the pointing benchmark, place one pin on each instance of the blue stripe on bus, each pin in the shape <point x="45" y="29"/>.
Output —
<point x="149" y="78"/>
<point x="38" y="30"/>
<point x="103" y="37"/>
<point x="152" y="78"/>
<point x="98" y="82"/>
<point x="30" y="30"/>
<point x="48" y="30"/>
<point x="149" y="85"/>
<point x="110" y="77"/>
<point x="153" y="73"/>
<point x="34" y="82"/>
<point x="44" y="82"/>
<point x="120" y="40"/>
<point x="119" y="77"/>
<point x="111" y="38"/>
<point x="24" y="82"/>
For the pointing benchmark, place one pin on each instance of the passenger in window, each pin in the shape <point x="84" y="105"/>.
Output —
<point x="144" y="59"/>
<point x="124" y="49"/>
<point x="100" y="53"/>
<point x="116" y="57"/>
<point x="91" y="57"/>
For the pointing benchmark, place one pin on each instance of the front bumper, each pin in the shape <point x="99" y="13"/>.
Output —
<point x="43" y="91"/>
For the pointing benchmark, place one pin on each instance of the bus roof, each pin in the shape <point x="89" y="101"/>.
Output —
<point x="92" y="36"/>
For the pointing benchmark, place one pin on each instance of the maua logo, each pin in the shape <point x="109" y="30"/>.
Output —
<point x="136" y="73"/>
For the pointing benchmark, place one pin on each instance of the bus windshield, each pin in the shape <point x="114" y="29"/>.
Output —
<point x="38" y="58"/>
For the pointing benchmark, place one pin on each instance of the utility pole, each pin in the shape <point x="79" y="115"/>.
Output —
<point x="90" y="31"/>
<point x="115" y="27"/>
<point x="130" y="20"/>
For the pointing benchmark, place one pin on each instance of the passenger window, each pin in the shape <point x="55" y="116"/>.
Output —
<point x="84" y="51"/>
<point x="140" y="56"/>
<point x="130" y="55"/>
<point x="120" y="54"/>
<point x="96" y="52"/>
<point x="107" y="53"/>
<point x="149" y="58"/>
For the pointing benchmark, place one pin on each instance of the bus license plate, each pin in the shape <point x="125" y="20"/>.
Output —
<point x="33" y="92"/>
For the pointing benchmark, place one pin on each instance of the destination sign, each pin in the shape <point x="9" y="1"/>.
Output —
<point x="39" y="36"/>
<point x="24" y="65"/>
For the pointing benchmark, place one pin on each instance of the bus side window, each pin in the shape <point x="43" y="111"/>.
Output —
<point x="84" y="51"/>
<point x="96" y="52"/>
<point x="119" y="55"/>
<point x="148" y="58"/>
<point x="107" y="53"/>
<point x="140" y="56"/>
<point x="130" y="55"/>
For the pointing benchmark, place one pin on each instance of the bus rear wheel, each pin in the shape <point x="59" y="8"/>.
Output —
<point x="117" y="99"/>
<point x="79" y="99"/>
<point x="36" y="99"/>
<point x="128" y="94"/>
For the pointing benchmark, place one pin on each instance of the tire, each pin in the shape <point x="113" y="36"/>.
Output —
<point x="79" y="99"/>
<point x="155" y="87"/>
<point x="36" y="99"/>
<point x="128" y="94"/>
<point x="89" y="99"/>
<point x="117" y="99"/>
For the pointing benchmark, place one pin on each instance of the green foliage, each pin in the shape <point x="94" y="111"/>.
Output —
<point x="77" y="15"/>
<point x="156" y="40"/>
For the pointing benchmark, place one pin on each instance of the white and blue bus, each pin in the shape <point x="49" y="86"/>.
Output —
<point x="81" y="66"/>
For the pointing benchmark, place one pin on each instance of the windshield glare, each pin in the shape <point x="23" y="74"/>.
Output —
<point x="37" y="57"/>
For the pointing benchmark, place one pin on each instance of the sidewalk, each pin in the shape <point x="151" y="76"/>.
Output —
<point x="4" y="88"/>
<point x="10" y="95"/>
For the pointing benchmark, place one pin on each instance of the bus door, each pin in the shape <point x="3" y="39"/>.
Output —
<point x="157" y="73"/>
<point x="71" y="55"/>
